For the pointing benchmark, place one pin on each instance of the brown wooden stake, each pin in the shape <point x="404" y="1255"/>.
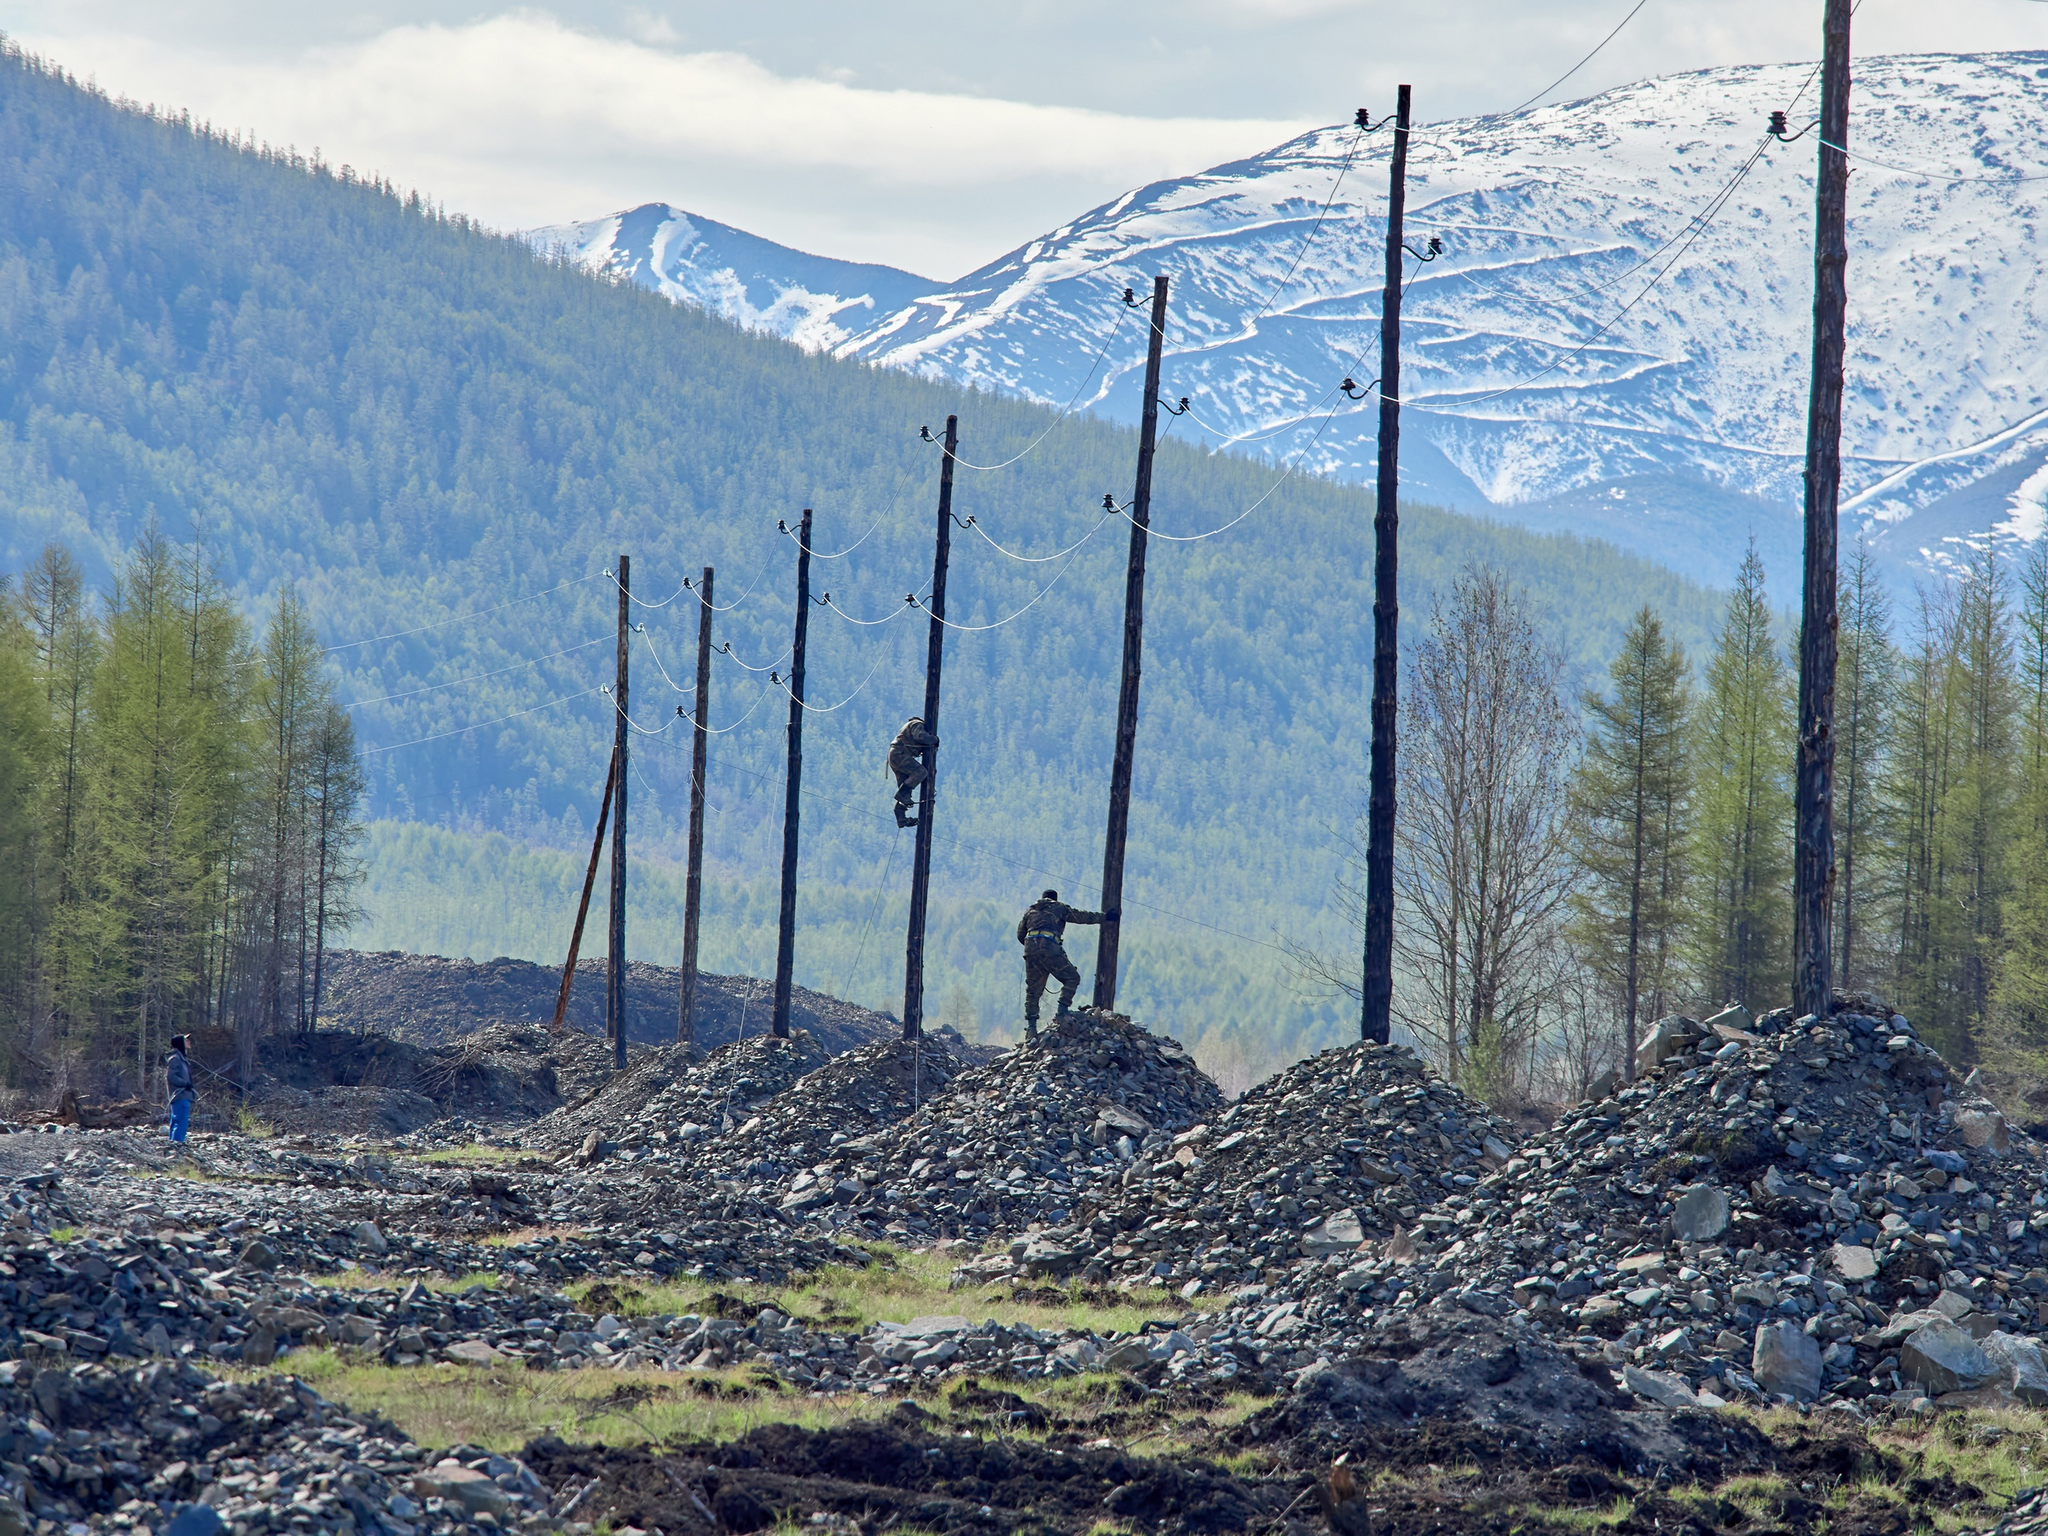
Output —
<point x="615" y="969"/>
<point x="1108" y="943"/>
<point x="1813" y="851"/>
<point x="604" y="816"/>
<point x="935" y="654"/>
<point x="693" y="882"/>
<point x="785" y="934"/>
<point x="1376" y="990"/>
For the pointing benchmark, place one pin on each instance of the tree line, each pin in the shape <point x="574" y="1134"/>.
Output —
<point x="180" y="805"/>
<point x="1569" y="871"/>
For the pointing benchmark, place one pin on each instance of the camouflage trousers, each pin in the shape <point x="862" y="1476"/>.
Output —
<point x="1043" y="962"/>
<point x="908" y="778"/>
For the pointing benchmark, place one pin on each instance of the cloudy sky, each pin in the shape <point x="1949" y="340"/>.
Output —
<point x="930" y="136"/>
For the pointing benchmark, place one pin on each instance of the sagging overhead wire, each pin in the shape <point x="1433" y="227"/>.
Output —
<point x="466" y="729"/>
<point x="782" y="527"/>
<point x="1286" y="474"/>
<point x="349" y="645"/>
<point x="1363" y="126"/>
<point x="1560" y="80"/>
<point x="631" y="723"/>
<point x="889" y="617"/>
<point x="1095" y="364"/>
<point x="824" y="709"/>
<point x="1027" y="559"/>
<point x="726" y="651"/>
<point x="477" y="677"/>
<point x="690" y="585"/>
<point x="1073" y="555"/>
<point x="1927" y="175"/>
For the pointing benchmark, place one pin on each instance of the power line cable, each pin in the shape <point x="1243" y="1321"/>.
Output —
<point x="688" y="586"/>
<point x="1029" y="559"/>
<point x="1074" y="555"/>
<point x="889" y="617"/>
<point x="631" y="723"/>
<point x="727" y="651"/>
<point x="1066" y="410"/>
<point x="1560" y="80"/>
<point x="782" y="527"/>
<point x="464" y="730"/>
<point x="478" y="677"/>
<point x="1065" y="877"/>
<point x="825" y="709"/>
<point x="1930" y="175"/>
<point x="349" y="645"/>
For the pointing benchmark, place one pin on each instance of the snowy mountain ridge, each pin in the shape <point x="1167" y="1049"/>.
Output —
<point x="1614" y="341"/>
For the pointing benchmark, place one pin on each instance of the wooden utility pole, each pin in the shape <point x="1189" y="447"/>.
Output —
<point x="1376" y="992"/>
<point x="693" y="882"/>
<point x="785" y="937"/>
<point x="615" y="974"/>
<point x="1813" y="842"/>
<point x="1134" y="647"/>
<point x="604" y="816"/>
<point x="934" y="655"/>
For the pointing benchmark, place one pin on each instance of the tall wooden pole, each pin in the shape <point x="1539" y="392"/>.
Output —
<point x="785" y="937"/>
<point x="604" y="816"/>
<point x="615" y="971"/>
<point x="1376" y="992"/>
<point x="693" y="881"/>
<point x="1134" y="647"/>
<point x="934" y="656"/>
<point x="1813" y="850"/>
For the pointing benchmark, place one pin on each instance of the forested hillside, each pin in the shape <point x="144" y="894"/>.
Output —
<point x="442" y="442"/>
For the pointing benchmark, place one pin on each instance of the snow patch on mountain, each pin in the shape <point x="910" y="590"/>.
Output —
<point x="1623" y="306"/>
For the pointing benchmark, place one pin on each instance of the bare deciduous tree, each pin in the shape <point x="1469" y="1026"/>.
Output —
<point x="1482" y="865"/>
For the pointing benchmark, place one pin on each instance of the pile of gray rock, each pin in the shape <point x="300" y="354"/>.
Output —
<point x="1785" y="1209"/>
<point x="1026" y="1138"/>
<point x="1353" y="1143"/>
<point x="164" y="1446"/>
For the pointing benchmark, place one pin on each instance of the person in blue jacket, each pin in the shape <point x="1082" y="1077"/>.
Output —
<point x="178" y="1080"/>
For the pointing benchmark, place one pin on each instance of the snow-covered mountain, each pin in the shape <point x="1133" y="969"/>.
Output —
<point x="1614" y="340"/>
<point x="814" y="301"/>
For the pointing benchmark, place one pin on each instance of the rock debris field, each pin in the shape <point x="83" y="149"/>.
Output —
<point x="1779" y="1211"/>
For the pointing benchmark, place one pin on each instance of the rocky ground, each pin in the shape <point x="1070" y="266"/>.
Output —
<point x="1791" y="1279"/>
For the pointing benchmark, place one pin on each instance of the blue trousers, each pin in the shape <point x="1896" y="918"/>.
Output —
<point x="181" y="1119"/>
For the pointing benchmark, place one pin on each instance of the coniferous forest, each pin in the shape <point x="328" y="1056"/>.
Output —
<point x="309" y="490"/>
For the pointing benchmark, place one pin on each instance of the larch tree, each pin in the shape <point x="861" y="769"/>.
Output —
<point x="1865" y="676"/>
<point x="2020" y="991"/>
<point x="1741" y="844"/>
<point x="1628" y="817"/>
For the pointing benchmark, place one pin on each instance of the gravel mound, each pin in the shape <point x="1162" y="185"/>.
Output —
<point x="869" y="1088"/>
<point x="124" y="1447"/>
<point x="1353" y="1143"/>
<point x="675" y="1095"/>
<point x="1799" y="1210"/>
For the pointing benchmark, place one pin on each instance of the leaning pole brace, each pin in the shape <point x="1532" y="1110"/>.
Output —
<point x="935" y="650"/>
<point x="1134" y="647"/>
<point x="604" y="816"/>
<point x="785" y="935"/>
<point x="1376" y="993"/>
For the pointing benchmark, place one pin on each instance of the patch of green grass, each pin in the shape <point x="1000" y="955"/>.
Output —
<point x="1605" y="1519"/>
<point x="900" y="1285"/>
<point x="359" y="1280"/>
<point x="63" y="1234"/>
<point x="476" y="1153"/>
<point x="502" y="1407"/>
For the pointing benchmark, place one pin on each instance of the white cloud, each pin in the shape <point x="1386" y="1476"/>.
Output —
<point x="520" y="120"/>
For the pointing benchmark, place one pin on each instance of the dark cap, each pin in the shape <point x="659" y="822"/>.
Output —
<point x="1048" y="895"/>
<point x="177" y="1042"/>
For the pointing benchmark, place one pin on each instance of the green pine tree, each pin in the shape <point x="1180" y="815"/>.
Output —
<point x="1865" y="675"/>
<point x="1742" y="797"/>
<point x="1629" y="817"/>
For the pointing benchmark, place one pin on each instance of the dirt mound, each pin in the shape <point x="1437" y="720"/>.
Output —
<point x="881" y="1475"/>
<point x="431" y="998"/>
<point x="1352" y="1143"/>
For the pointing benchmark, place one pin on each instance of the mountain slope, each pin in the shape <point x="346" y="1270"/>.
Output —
<point x="445" y="442"/>
<point x="1546" y="377"/>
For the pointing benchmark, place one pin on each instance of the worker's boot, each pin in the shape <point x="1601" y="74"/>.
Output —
<point x="1031" y="1029"/>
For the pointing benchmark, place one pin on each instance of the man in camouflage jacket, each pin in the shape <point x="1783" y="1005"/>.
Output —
<point x="1040" y="931"/>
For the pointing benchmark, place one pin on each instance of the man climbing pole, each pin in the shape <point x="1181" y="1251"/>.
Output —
<point x="910" y="760"/>
<point x="1040" y="930"/>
